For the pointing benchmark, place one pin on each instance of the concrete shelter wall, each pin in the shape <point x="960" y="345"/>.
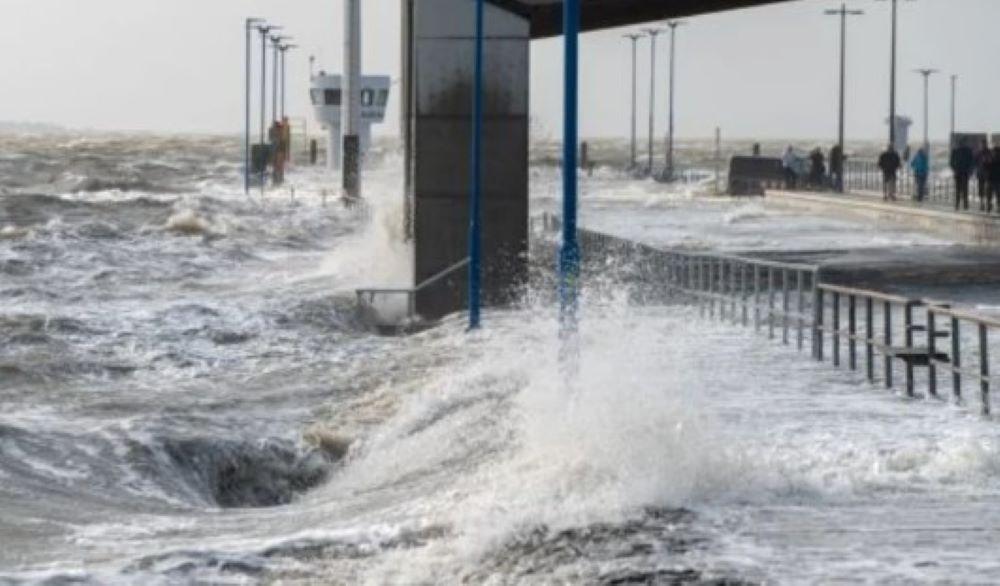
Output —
<point x="442" y="54"/>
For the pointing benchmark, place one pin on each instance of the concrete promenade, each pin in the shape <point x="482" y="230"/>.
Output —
<point x="972" y="227"/>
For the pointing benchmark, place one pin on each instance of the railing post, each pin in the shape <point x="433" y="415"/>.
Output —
<point x="709" y="300"/>
<point x="931" y="352"/>
<point x="725" y="265"/>
<point x="870" y="339"/>
<point x="734" y="316"/>
<point x="956" y="359"/>
<point x="835" y="341"/>
<point x="984" y="368"/>
<point x="785" y="306"/>
<point x="852" y="332"/>
<point x="743" y="294"/>
<point x="908" y="321"/>
<point x="756" y="298"/>
<point x="887" y="335"/>
<point x="770" y="303"/>
<point x="800" y="308"/>
<point x="818" y="312"/>
<point x="700" y="281"/>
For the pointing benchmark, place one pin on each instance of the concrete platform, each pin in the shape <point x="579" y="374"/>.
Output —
<point x="966" y="227"/>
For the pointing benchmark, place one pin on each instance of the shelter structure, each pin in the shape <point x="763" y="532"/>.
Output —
<point x="437" y="84"/>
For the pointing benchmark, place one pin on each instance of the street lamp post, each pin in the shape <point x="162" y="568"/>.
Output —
<point x="632" y="149"/>
<point x="843" y="13"/>
<point x="276" y="47"/>
<point x="892" y="75"/>
<point x="351" y="111"/>
<point x="652" y="34"/>
<point x="926" y="73"/>
<point x="954" y="97"/>
<point x="249" y="26"/>
<point x="284" y="50"/>
<point x="264" y="30"/>
<point x="668" y="170"/>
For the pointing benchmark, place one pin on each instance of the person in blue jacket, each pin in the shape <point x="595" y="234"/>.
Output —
<point x="921" y="169"/>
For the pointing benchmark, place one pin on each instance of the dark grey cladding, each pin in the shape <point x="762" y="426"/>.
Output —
<point x="440" y="122"/>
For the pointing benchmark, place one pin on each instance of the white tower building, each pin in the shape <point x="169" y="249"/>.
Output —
<point x="327" y="96"/>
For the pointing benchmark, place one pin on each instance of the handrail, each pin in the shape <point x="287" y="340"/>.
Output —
<point x="441" y="275"/>
<point x="889" y="297"/>
<point x="409" y="290"/>
<point x="965" y="315"/>
<point x="367" y="296"/>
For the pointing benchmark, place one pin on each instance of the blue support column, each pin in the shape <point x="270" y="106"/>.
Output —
<point x="475" y="205"/>
<point x="569" y="255"/>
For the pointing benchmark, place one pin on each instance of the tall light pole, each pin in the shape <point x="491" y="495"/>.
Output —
<point x="633" y="148"/>
<point x="668" y="170"/>
<point x="892" y="75"/>
<point x="954" y="98"/>
<point x="264" y="30"/>
<point x="926" y="73"/>
<point x="652" y="33"/>
<point x="843" y="13"/>
<point x="351" y="112"/>
<point x="284" y="50"/>
<point x="249" y="26"/>
<point x="276" y="46"/>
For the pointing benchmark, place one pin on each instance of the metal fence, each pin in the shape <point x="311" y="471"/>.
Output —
<point x="866" y="176"/>
<point x="891" y="337"/>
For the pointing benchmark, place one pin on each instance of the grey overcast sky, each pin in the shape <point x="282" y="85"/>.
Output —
<point x="177" y="65"/>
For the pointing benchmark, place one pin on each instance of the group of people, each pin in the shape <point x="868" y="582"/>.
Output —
<point x="815" y="171"/>
<point x="965" y="163"/>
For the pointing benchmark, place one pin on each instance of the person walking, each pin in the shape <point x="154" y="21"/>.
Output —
<point x="994" y="176"/>
<point x="789" y="161"/>
<point x="837" y="167"/>
<point x="963" y="162"/>
<point x="983" y="158"/>
<point x="921" y="169"/>
<point x="889" y="162"/>
<point x="817" y="168"/>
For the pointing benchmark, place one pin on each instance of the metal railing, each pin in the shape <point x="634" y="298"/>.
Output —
<point x="931" y="344"/>
<point x="866" y="176"/>
<point x="368" y="298"/>
<point x="892" y="336"/>
<point x="954" y="364"/>
<point x="770" y="294"/>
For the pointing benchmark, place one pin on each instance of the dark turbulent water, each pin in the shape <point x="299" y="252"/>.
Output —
<point x="187" y="395"/>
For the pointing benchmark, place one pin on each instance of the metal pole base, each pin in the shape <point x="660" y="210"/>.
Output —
<point x="352" y="167"/>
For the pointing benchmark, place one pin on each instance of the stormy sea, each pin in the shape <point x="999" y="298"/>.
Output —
<point x="189" y="394"/>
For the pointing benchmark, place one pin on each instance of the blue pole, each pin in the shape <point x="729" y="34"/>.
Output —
<point x="569" y="255"/>
<point x="475" y="213"/>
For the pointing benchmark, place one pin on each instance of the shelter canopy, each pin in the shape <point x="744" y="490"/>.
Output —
<point x="546" y="15"/>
